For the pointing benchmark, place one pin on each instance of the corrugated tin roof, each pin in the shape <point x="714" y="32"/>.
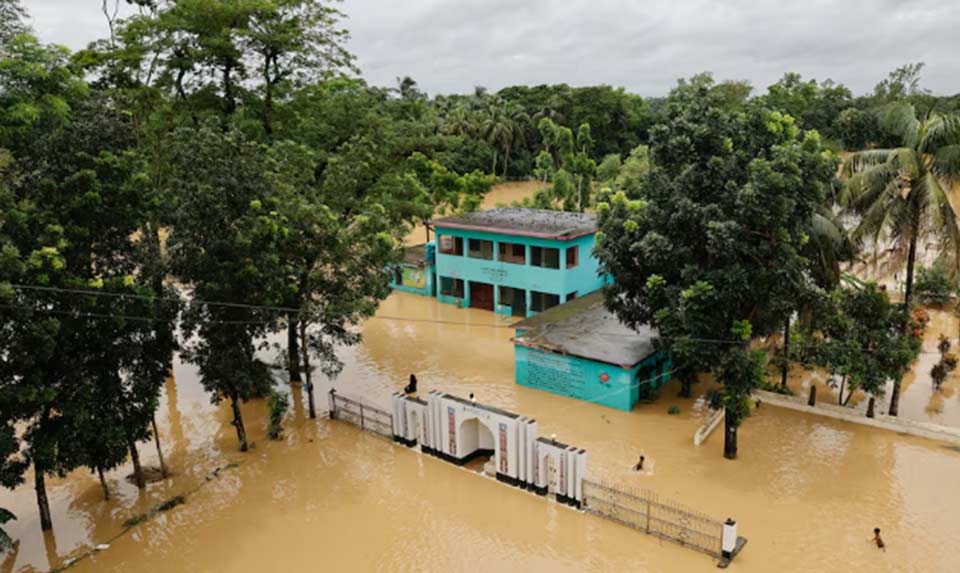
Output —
<point x="584" y="328"/>
<point x="527" y="222"/>
<point x="415" y="255"/>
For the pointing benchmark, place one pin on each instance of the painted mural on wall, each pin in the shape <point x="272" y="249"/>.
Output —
<point x="555" y="374"/>
<point x="504" y="453"/>
<point x="414" y="277"/>
<point x="452" y="429"/>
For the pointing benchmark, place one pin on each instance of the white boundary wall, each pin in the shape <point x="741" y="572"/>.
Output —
<point x="893" y="423"/>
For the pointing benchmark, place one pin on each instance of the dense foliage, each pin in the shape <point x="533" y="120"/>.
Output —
<point x="708" y="247"/>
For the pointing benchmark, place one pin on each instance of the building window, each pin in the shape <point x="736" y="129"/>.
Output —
<point x="450" y="245"/>
<point x="572" y="296"/>
<point x="573" y="256"/>
<point x="541" y="301"/>
<point x="451" y="287"/>
<point x="512" y="253"/>
<point x="480" y="249"/>
<point x="546" y="257"/>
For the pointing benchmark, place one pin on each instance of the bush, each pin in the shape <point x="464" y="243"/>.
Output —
<point x="278" y="404"/>
<point x="673" y="410"/>
<point x="934" y="285"/>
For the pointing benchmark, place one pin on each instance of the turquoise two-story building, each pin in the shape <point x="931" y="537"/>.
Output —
<point x="515" y="261"/>
<point x="581" y="350"/>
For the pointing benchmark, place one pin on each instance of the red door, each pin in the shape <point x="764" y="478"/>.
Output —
<point x="481" y="295"/>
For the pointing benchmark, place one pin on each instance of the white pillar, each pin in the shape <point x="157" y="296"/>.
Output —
<point x="729" y="540"/>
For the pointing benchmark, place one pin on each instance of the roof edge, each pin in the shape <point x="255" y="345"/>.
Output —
<point x="552" y="236"/>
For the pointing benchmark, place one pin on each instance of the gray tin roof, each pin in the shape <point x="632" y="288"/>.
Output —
<point x="415" y="255"/>
<point x="584" y="328"/>
<point x="540" y="223"/>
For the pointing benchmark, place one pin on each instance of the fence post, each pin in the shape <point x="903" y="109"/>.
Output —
<point x="648" y="516"/>
<point x="361" y="417"/>
<point x="728" y="541"/>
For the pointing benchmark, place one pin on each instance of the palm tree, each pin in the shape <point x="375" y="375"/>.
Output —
<point x="504" y="128"/>
<point x="903" y="194"/>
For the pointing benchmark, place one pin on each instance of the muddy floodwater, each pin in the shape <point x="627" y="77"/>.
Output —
<point x="806" y="491"/>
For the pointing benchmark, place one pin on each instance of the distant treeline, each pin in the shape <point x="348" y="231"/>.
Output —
<point x="500" y="130"/>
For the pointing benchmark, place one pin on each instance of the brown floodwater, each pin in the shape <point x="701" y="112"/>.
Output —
<point x="806" y="491"/>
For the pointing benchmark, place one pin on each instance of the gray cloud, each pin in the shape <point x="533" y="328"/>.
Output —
<point x="643" y="45"/>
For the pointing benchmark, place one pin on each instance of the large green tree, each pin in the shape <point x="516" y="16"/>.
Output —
<point x="904" y="193"/>
<point x="226" y="246"/>
<point x="708" y="251"/>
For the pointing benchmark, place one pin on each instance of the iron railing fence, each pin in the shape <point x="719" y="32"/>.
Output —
<point x="648" y="512"/>
<point x="367" y="417"/>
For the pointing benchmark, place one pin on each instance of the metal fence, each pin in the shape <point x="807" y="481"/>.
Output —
<point x="357" y="413"/>
<point x="644" y="510"/>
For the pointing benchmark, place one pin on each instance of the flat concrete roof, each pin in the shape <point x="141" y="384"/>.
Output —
<point x="584" y="328"/>
<point x="540" y="223"/>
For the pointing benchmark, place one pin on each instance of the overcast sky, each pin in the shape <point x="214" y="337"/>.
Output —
<point x="642" y="45"/>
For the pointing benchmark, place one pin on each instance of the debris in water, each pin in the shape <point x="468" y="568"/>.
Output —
<point x="102" y="546"/>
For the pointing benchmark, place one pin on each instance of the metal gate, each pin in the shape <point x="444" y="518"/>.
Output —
<point x="644" y="510"/>
<point x="357" y="413"/>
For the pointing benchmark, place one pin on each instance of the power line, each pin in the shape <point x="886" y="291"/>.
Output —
<point x="288" y="310"/>
<point x="88" y="292"/>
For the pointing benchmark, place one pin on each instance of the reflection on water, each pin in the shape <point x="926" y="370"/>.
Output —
<point x="806" y="491"/>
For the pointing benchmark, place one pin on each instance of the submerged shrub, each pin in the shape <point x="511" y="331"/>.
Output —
<point x="278" y="404"/>
<point x="934" y="285"/>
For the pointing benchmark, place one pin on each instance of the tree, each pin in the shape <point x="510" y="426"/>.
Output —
<point x="708" y="252"/>
<point x="225" y="182"/>
<point x="12" y="467"/>
<point x="903" y="193"/>
<point x="71" y="209"/>
<point x="857" y="340"/>
<point x="813" y="105"/>
<point x="935" y="286"/>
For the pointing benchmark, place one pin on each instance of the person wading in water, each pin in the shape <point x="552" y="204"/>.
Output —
<point x="639" y="466"/>
<point x="878" y="540"/>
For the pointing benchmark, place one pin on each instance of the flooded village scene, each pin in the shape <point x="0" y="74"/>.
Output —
<point x="283" y="289"/>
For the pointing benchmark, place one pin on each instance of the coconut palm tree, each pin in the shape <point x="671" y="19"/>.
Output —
<point x="903" y="194"/>
<point x="504" y="128"/>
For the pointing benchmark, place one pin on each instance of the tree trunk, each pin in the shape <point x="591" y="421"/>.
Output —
<point x="306" y="368"/>
<point x="785" y="367"/>
<point x="506" y="160"/>
<point x="729" y="438"/>
<point x="156" y="440"/>
<point x="812" y="400"/>
<point x="293" y="353"/>
<point x="493" y="169"/>
<point x="137" y="468"/>
<point x="103" y="484"/>
<point x="908" y="290"/>
<point x="43" y="504"/>
<point x="238" y="421"/>
<point x="685" y="384"/>
<point x="895" y="399"/>
<point x="870" y="407"/>
<point x="907" y="299"/>
<point x="843" y="382"/>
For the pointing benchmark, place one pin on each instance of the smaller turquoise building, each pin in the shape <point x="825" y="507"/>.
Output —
<point x="416" y="273"/>
<point x="581" y="350"/>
